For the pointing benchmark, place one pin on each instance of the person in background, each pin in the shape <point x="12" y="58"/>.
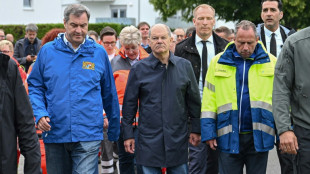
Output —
<point x="10" y="38"/>
<point x="167" y="95"/>
<point x="273" y="36"/>
<point x="271" y="33"/>
<point x="130" y="53"/>
<point x="6" y="47"/>
<point x="199" y="49"/>
<point x="189" y="31"/>
<point x="26" y="49"/>
<point x="180" y="34"/>
<point x="224" y="33"/>
<point x="173" y="43"/>
<point x="94" y="35"/>
<point x="16" y="121"/>
<point x="108" y="38"/>
<point x="144" y="28"/>
<point x="2" y="34"/>
<point x="69" y="86"/>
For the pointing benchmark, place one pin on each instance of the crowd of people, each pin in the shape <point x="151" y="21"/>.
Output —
<point x="200" y="101"/>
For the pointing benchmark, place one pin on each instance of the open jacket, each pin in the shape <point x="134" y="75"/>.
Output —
<point x="220" y="114"/>
<point x="72" y="89"/>
<point x="187" y="49"/>
<point x="16" y="120"/>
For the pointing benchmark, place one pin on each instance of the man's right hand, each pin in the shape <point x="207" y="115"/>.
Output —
<point x="43" y="124"/>
<point x="212" y="144"/>
<point x="130" y="145"/>
<point x="30" y="58"/>
<point x="288" y="142"/>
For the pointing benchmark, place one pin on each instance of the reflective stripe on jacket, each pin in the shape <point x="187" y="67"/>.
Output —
<point x="219" y="117"/>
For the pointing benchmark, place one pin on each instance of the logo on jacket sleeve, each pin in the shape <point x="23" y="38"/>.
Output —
<point x="88" y="65"/>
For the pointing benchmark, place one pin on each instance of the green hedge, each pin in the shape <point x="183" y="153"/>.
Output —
<point x="18" y="31"/>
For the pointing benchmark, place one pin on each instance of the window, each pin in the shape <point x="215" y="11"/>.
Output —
<point x="27" y="3"/>
<point x="118" y="11"/>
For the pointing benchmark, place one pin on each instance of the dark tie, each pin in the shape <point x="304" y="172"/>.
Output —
<point x="204" y="60"/>
<point x="273" y="45"/>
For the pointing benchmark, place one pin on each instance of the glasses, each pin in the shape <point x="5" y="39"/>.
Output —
<point x="109" y="43"/>
<point x="5" y="52"/>
<point x="2" y="36"/>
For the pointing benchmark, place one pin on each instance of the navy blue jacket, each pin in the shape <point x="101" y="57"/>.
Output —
<point x="166" y="96"/>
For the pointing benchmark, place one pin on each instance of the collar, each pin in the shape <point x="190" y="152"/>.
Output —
<point x="154" y="61"/>
<point x="268" y="32"/>
<point x="70" y="45"/>
<point x="236" y="54"/>
<point x="138" y="58"/>
<point x="198" y="39"/>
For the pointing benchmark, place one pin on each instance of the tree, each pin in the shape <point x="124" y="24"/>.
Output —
<point x="296" y="12"/>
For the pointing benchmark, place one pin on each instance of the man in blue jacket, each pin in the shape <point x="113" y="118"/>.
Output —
<point x="70" y="85"/>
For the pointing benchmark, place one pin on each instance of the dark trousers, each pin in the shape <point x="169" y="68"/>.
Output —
<point x="303" y="156"/>
<point x="255" y="162"/>
<point x="127" y="162"/>
<point x="202" y="159"/>
<point x="286" y="161"/>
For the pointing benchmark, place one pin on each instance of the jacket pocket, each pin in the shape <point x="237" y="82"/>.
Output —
<point x="268" y="129"/>
<point x="224" y="129"/>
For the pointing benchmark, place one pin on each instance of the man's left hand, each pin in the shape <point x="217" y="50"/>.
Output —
<point x="194" y="139"/>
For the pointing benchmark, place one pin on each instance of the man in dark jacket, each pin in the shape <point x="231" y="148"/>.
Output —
<point x="273" y="36"/>
<point x="271" y="29"/>
<point x="16" y="120"/>
<point x="26" y="49"/>
<point x="165" y="87"/>
<point x="199" y="49"/>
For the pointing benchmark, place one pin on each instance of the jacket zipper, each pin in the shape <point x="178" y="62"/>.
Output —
<point x="240" y="102"/>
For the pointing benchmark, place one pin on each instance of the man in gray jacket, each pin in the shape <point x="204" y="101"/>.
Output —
<point x="26" y="49"/>
<point x="291" y="98"/>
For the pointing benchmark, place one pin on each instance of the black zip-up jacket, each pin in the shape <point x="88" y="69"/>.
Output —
<point x="16" y="120"/>
<point x="187" y="49"/>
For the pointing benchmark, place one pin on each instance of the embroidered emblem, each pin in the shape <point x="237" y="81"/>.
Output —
<point x="88" y="65"/>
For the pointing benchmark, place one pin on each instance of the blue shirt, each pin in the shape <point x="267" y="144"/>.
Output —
<point x="243" y="95"/>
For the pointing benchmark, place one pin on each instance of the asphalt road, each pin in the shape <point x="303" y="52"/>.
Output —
<point x="273" y="166"/>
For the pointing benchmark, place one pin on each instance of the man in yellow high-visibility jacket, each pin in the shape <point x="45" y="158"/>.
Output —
<point x="236" y="106"/>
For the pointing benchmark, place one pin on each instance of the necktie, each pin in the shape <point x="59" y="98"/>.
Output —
<point x="273" y="45"/>
<point x="204" y="60"/>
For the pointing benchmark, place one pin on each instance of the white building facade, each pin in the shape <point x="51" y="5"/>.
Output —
<point x="129" y="12"/>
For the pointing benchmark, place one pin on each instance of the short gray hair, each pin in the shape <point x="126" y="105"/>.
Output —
<point x="167" y="28"/>
<point x="246" y="25"/>
<point x="32" y="27"/>
<point x="130" y="35"/>
<point x="76" y="10"/>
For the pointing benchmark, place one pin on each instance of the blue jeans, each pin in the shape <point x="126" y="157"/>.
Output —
<point x="127" y="160"/>
<point x="180" y="169"/>
<point x="255" y="162"/>
<point x="79" y="157"/>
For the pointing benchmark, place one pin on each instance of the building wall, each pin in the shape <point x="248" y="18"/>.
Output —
<point x="51" y="11"/>
<point x="42" y="11"/>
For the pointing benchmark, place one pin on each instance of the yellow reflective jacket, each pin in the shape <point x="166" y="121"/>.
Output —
<point x="219" y="117"/>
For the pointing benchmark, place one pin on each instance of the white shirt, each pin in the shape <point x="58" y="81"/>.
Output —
<point x="70" y="45"/>
<point x="211" y="54"/>
<point x="278" y="37"/>
<point x="132" y="62"/>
